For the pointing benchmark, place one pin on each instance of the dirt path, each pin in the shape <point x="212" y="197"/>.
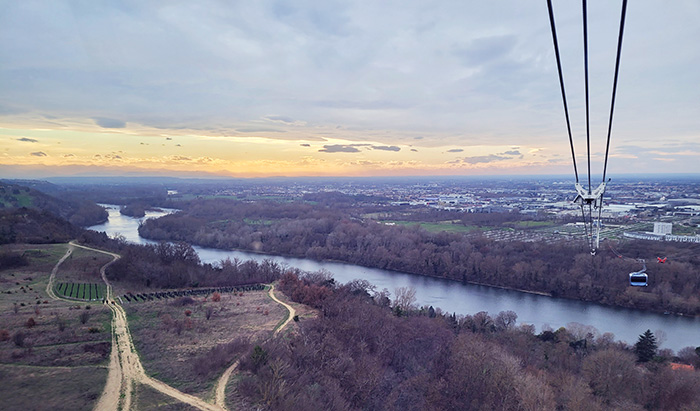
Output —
<point x="220" y="399"/>
<point x="125" y="367"/>
<point x="52" y="277"/>
<point x="292" y="311"/>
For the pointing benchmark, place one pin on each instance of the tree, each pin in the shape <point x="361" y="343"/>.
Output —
<point x="646" y="346"/>
<point x="405" y="300"/>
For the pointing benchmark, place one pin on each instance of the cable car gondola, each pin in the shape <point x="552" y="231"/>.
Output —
<point x="639" y="278"/>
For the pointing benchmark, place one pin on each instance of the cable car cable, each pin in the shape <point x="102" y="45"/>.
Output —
<point x="561" y="84"/>
<point x="585" y="72"/>
<point x="617" y="70"/>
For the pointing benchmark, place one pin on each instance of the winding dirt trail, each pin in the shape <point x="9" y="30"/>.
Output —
<point x="125" y="367"/>
<point x="220" y="399"/>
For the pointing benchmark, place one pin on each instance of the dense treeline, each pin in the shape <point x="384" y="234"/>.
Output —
<point x="358" y="354"/>
<point x="177" y="265"/>
<point x="322" y="233"/>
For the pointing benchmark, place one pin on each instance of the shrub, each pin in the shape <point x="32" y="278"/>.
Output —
<point x="296" y="318"/>
<point x="183" y="301"/>
<point x="84" y="317"/>
<point x="188" y="312"/>
<point x="216" y="297"/>
<point x="4" y="335"/>
<point x="30" y="322"/>
<point x="18" y="339"/>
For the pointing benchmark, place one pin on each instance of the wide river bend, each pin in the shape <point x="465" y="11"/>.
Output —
<point x="675" y="332"/>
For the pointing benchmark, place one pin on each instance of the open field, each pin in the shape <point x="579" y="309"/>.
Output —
<point x="176" y="348"/>
<point x="449" y="226"/>
<point x="83" y="266"/>
<point x="56" y="341"/>
<point x="50" y="388"/>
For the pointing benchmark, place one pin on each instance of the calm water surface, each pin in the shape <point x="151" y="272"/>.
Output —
<point x="541" y="311"/>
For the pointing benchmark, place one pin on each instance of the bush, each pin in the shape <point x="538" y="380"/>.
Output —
<point x="216" y="297"/>
<point x="30" y="322"/>
<point x="188" y="312"/>
<point x="4" y="335"/>
<point x="18" y="339"/>
<point x="84" y="317"/>
<point x="183" y="301"/>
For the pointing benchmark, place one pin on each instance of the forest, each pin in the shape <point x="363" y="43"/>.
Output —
<point x="176" y="265"/>
<point x="366" y="352"/>
<point x="329" y="232"/>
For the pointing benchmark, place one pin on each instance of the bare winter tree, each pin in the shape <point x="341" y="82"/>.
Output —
<point x="405" y="300"/>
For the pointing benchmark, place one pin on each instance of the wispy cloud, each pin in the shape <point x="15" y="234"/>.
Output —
<point x="106" y="122"/>
<point x="38" y="154"/>
<point x="28" y="140"/>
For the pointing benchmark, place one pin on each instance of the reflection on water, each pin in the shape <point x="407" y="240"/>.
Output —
<point x="451" y="297"/>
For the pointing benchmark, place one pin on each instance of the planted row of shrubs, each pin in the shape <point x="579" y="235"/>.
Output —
<point x="130" y="297"/>
<point x="81" y="291"/>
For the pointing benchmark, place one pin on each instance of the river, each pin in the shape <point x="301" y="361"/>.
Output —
<point x="674" y="332"/>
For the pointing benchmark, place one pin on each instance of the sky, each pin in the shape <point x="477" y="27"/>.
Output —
<point x="342" y="88"/>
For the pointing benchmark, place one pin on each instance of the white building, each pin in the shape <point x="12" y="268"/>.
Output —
<point x="663" y="228"/>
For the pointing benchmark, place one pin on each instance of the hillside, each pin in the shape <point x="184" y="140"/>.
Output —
<point x="76" y="210"/>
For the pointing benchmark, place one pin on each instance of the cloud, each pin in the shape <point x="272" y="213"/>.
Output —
<point x="414" y="150"/>
<point x="28" y="140"/>
<point x="68" y="155"/>
<point x="341" y="148"/>
<point x="484" y="159"/>
<point x="259" y="130"/>
<point x="180" y="158"/>
<point x="284" y="120"/>
<point x="455" y="150"/>
<point x="305" y="145"/>
<point x="105" y="122"/>
<point x="387" y="148"/>
<point x="511" y="153"/>
<point x="168" y="138"/>
<point x="38" y="154"/>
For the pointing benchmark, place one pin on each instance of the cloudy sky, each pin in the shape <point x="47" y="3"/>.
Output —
<point x="352" y="88"/>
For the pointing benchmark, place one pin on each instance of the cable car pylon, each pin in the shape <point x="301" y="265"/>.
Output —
<point x="590" y="200"/>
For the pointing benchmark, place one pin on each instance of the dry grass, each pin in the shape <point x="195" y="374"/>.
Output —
<point x="51" y="388"/>
<point x="83" y="266"/>
<point x="39" y="361"/>
<point x="172" y="345"/>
